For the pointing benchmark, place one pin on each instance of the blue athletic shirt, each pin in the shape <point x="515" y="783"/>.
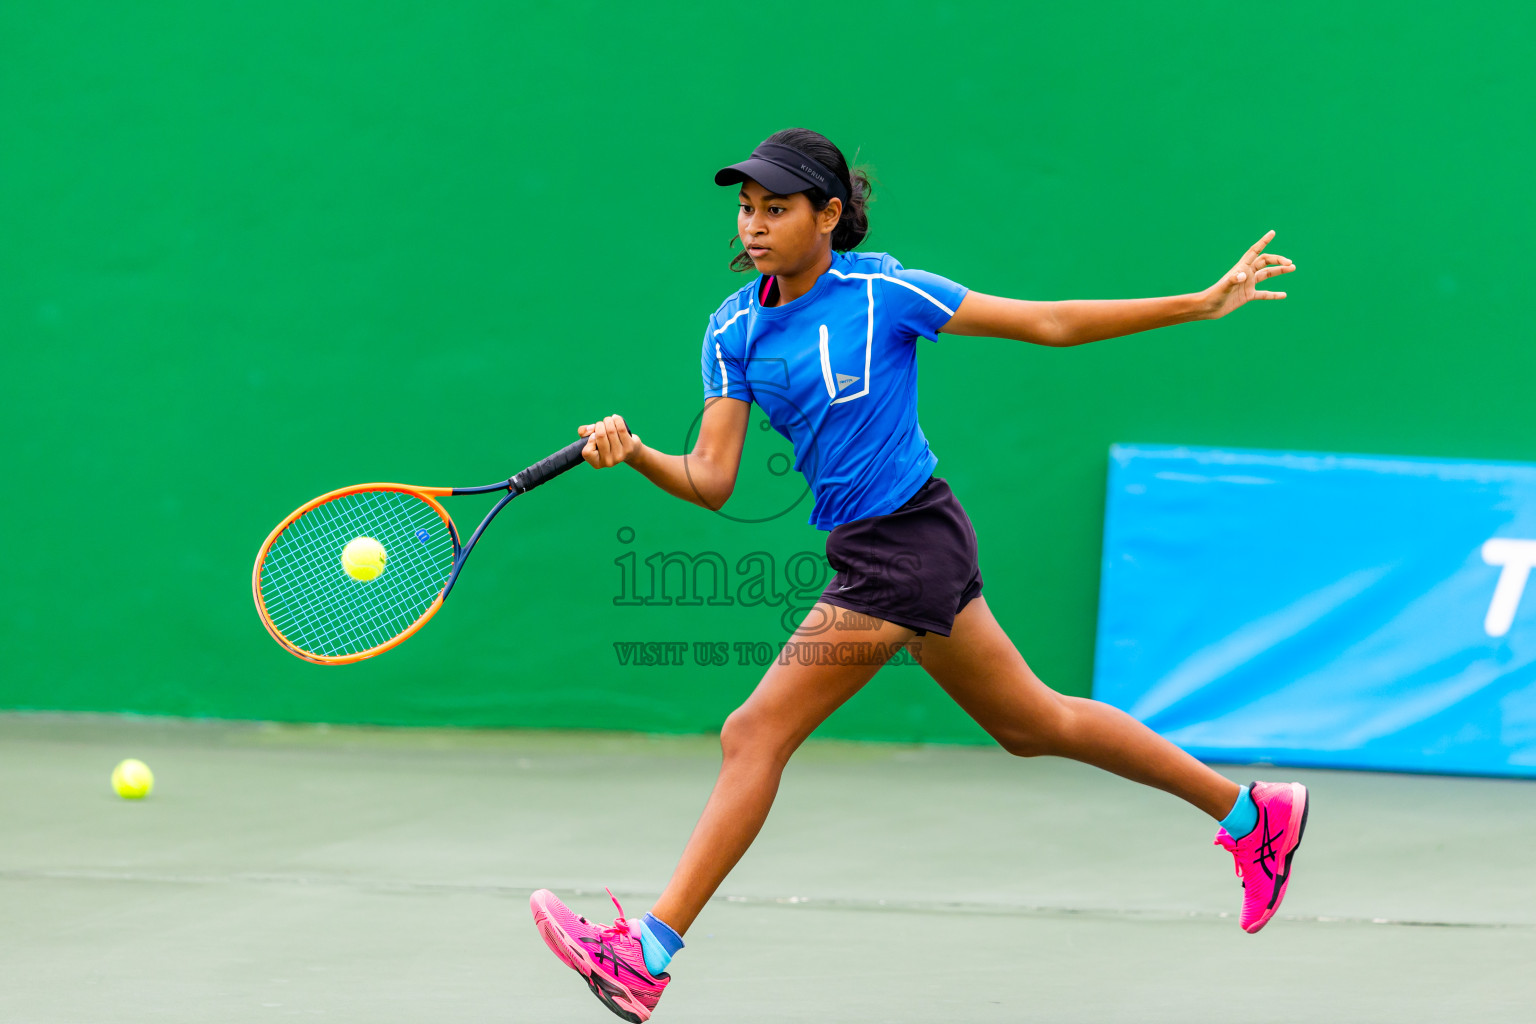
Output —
<point x="836" y="372"/>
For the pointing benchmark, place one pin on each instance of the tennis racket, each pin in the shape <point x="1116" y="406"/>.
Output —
<point x="317" y="611"/>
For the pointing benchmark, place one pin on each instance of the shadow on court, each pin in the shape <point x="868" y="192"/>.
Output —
<point x="381" y="876"/>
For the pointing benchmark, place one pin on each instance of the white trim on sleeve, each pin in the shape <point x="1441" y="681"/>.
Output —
<point x="895" y="280"/>
<point x="725" y="380"/>
<point x="738" y="316"/>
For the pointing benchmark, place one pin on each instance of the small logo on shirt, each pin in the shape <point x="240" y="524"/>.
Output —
<point x="844" y="380"/>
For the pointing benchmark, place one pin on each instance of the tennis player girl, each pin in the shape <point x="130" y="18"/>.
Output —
<point x="824" y="340"/>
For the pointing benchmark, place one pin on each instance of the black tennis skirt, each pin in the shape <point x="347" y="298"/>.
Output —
<point x="916" y="567"/>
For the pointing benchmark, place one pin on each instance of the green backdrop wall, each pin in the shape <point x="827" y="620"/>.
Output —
<point x="251" y="252"/>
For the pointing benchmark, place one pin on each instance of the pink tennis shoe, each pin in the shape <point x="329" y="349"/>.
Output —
<point x="1263" y="856"/>
<point x="609" y="957"/>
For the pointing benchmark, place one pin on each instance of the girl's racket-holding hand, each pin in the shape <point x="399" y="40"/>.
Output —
<point x="609" y="442"/>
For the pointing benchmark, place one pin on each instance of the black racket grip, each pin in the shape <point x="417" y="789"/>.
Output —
<point x="548" y="469"/>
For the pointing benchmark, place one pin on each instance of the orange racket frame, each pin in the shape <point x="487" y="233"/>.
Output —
<point x="426" y="494"/>
<point x="519" y="483"/>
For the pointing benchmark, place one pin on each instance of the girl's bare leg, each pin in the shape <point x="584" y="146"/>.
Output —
<point x="980" y="668"/>
<point x="757" y="741"/>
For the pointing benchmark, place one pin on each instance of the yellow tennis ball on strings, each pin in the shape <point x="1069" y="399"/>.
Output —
<point x="363" y="558"/>
<point x="132" y="779"/>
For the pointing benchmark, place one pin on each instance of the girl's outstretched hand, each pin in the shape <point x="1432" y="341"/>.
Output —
<point x="609" y="442"/>
<point x="1239" y="284"/>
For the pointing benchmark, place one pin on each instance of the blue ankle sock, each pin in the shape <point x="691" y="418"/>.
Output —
<point x="1243" y="817"/>
<point x="659" y="943"/>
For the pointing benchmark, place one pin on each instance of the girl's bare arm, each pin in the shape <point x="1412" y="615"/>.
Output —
<point x="705" y="476"/>
<point x="1079" y="321"/>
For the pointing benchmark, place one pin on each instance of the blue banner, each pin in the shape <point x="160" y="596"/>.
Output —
<point x="1325" y="610"/>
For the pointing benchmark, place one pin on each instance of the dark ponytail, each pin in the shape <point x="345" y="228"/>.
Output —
<point x="853" y="226"/>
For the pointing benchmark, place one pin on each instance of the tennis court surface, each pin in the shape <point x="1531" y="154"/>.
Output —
<point x="377" y="875"/>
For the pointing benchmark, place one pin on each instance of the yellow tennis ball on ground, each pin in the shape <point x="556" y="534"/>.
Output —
<point x="132" y="779"/>
<point x="363" y="558"/>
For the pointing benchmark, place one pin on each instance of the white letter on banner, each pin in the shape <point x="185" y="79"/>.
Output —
<point x="1517" y="557"/>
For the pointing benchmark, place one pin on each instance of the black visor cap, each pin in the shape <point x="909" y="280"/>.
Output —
<point x="783" y="171"/>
